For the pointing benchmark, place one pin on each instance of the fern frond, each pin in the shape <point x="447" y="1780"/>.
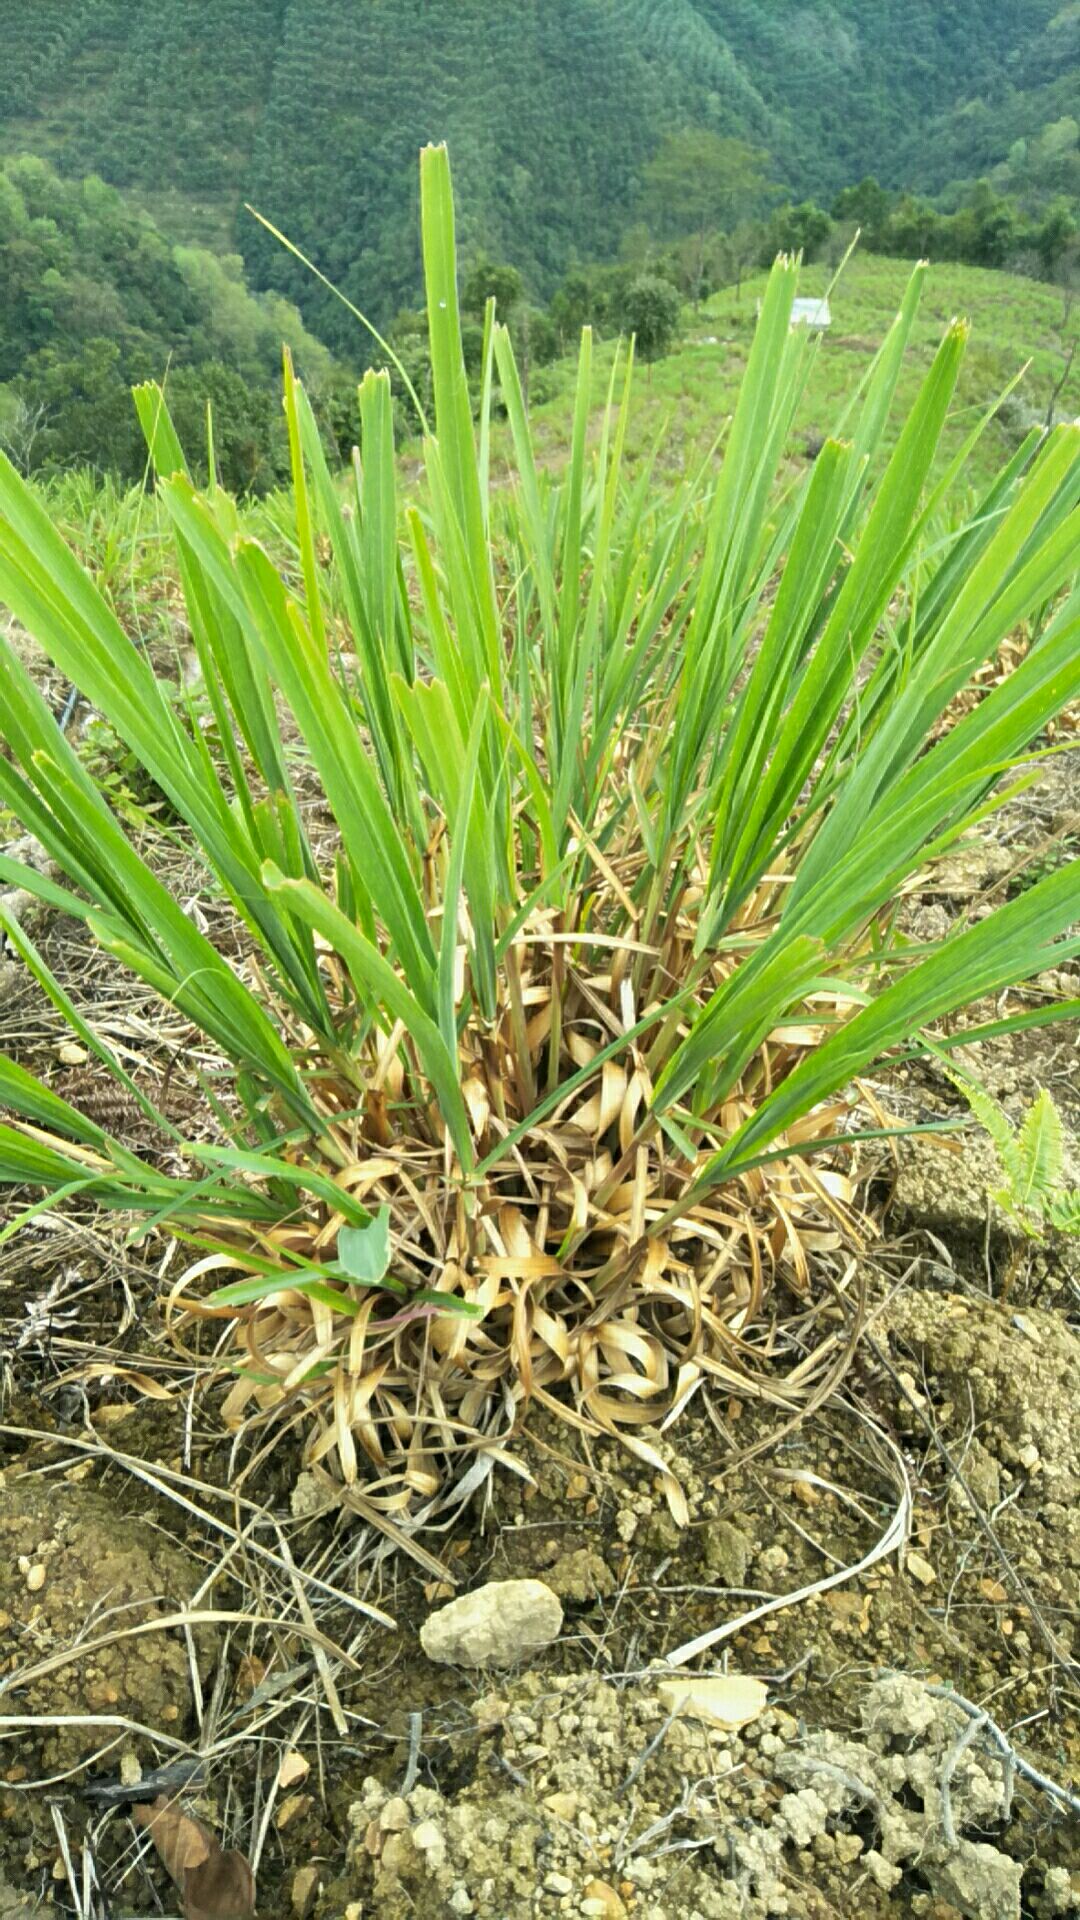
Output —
<point x="993" y="1119"/>
<point x="1064" y="1211"/>
<point x="1041" y="1149"/>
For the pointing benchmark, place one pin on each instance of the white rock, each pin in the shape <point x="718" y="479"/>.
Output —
<point x="728" y="1700"/>
<point x="494" y="1626"/>
<point x="886" y="1875"/>
<point x="559" y="1883"/>
<point x="981" y="1882"/>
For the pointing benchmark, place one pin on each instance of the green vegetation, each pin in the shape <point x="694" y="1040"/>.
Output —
<point x="607" y="151"/>
<point x="1015" y="323"/>
<point x="627" y="782"/>
<point x="564" y="116"/>
<point x="94" y="298"/>
<point x="1031" y="1158"/>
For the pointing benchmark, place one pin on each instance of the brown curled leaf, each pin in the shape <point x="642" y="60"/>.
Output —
<point x="215" y="1884"/>
<point x="223" y="1888"/>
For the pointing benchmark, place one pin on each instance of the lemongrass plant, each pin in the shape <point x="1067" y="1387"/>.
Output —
<point x="535" y="1072"/>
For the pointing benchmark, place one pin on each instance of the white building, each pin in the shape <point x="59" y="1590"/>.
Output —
<point x="811" y="313"/>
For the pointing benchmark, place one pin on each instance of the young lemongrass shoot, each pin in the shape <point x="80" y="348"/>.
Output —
<point x="542" y="1061"/>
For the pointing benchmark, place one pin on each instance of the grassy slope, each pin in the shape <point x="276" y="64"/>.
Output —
<point x="1013" y="321"/>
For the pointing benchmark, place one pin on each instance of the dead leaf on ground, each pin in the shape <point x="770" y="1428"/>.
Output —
<point x="215" y="1884"/>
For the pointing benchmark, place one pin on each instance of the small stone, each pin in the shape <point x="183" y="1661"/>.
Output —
<point x="426" y="1837"/>
<point x="805" y="1815"/>
<point x="564" y="1806"/>
<point x="729" y="1700"/>
<point x="35" y="1578"/>
<point x="1029" y="1456"/>
<point x="293" y="1768"/>
<point x="394" y="1817"/>
<point x="461" y="1901"/>
<point x="558" y="1883"/>
<point x="581" y="1575"/>
<point x="911" y="1391"/>
<point x="305" y="1888"/>
<point x="601" y="1898"/>
<point x="70" y="1054"/>
<point x="291" y="1806"/>
<point x="308" y="1497"/>
<point x="882" y="1871"/>
<point x="494" y="1626"/>
<point x="773" y="1560"/>
<point x="983" y="1883"/>
<point x="1060" y="1895"/>
<point x="399" y="1854"/>
<point x="920" y="1569"/>
<point x="726" y="1553"/>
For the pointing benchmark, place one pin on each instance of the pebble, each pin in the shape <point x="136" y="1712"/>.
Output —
<point x="494" y="1626"/>
<point x="305" y="1889"/>
<point x="558" y="1883"/>
<point x="601" y="1898"/>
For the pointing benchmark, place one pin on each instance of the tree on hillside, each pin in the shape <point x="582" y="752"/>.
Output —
<point x="650" y="311"/>
<point x="1056" y="237"/>
<point x="795" y="229"/>
<point x="987" y="227"/>
<point x="700" y="181"/>
<point x="865" y="206"/>
<point x="486" y="280"/>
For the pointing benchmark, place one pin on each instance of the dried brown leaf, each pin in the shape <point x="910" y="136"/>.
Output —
<point x="181" y="1841"/>
<point x="215" y="1884"/>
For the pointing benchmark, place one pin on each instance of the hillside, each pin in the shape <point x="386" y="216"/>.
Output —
<point x="94" y="298"/>
<point x="314" y="109"/>
<point x="1015" y="324"/>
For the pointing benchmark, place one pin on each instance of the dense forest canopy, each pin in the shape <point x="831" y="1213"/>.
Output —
<point x="314" y="109"/>
<point x="93" y="298"/>
<point x="612" y="156"/>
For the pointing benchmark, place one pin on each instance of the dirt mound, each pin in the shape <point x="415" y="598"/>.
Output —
<point x="73" y="1569"/>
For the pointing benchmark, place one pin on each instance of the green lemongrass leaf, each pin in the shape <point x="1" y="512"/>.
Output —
<point x="268" y="1166"/>
<point x="364" y="1252"/>
<point x="382" y="987"/>
<point x="245" y="1293"/>
<point x="1011" y="945"/>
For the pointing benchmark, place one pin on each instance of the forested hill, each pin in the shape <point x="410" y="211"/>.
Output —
<point x="314" y="109"/>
